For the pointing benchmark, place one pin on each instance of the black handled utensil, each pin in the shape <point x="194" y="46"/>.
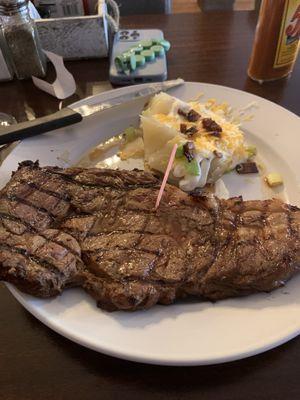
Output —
<point x="24" y="130"/>
<point x="72" y="115"/>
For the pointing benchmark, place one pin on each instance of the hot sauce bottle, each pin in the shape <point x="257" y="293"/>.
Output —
<point x="276" y="41"/>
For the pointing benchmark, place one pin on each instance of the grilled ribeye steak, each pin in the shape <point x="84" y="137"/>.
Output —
<point x="97" y="228"/>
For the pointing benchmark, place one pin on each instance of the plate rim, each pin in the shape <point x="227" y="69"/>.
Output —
<point x="266" y="345"/>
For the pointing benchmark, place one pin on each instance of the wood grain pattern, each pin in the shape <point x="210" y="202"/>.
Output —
<point x="185" y="6"/>
<point x="36" y="363"/>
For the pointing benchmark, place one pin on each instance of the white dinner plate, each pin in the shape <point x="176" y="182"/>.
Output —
<point x="186" y="333"/>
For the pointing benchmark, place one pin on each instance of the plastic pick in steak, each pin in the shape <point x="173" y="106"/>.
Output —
<point x="166" y="176"/>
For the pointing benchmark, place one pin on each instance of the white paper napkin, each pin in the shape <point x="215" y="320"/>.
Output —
<point x="64" y="84"/>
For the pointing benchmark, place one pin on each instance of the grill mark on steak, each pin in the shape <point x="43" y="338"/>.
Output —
<point x="64" y="198"/>
<point x="22" y="211"/>
<point x="40" y="178"/>
<point x="125" y="249"/>
<point x="155" y="213"/>
<point x="72" y="179"/>
<point x="93" y="232"/>
<point x="266" y="281"/>
<point x="142" y="236"/>
<point x="18" y="220"/>
<point x="135" y="256"/>
<point x="40" y="262"/>
<point x="289" y="226"/>
<point x="63" y="244"/>
<point x="28" y="203"/>
<point x="31" y="229"/>
<point x="119" y="231"/>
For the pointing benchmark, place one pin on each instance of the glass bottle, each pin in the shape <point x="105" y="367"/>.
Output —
<point x="276" y="40"/>
<point x="6" y="70"/>
<point x="22" y="39"/>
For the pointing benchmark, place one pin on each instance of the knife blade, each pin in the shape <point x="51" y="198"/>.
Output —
<point x="5" y="120"/>
<point x="73" y="114"/>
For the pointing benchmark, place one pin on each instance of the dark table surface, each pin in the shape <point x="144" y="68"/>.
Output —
<point x="36" y="363"/>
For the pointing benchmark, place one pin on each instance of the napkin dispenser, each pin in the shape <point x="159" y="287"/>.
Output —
<point x="80" y="37"/>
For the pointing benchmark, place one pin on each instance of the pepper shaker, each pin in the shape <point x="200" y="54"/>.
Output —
<point x="21" y="36"/>
<point x="6" y="71"/>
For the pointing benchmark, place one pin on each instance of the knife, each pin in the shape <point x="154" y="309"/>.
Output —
<point x="5" y="120"/>
<point x="74" y="114"/>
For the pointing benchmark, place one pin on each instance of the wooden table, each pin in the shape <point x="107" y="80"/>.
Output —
<point x="36" y="363"/>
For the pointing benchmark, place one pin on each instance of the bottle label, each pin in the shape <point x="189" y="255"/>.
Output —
<point x="288" y="42"/>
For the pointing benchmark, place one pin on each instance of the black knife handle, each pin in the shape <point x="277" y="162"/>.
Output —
<point x="24" y="130"/>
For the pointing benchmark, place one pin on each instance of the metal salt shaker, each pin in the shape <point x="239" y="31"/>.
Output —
<point x="21" y="36"/>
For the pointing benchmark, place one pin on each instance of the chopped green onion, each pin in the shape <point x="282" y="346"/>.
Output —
<point x="130" y="134"/>
<point x="192" y="167"/>
<point x="179" y="152"/>
<point x="251" y="150"/>
<point x="230" y="169"/>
